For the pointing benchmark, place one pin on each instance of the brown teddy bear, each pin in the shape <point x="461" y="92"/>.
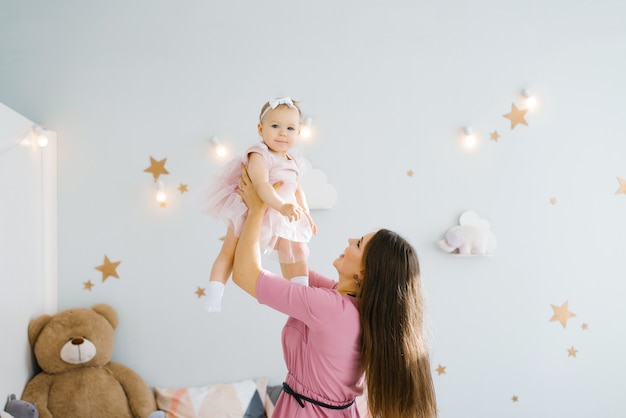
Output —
<point x="73" y="349"/>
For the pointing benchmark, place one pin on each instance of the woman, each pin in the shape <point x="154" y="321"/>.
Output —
<point x="366" y="328"/>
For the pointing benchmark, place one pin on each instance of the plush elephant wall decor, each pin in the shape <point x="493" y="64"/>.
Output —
<point x="473" y="236"/>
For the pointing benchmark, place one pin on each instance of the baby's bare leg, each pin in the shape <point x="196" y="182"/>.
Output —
<point x="293" y="263"/>
<point x="291" y="270"/>
<point x="221" y="270"/>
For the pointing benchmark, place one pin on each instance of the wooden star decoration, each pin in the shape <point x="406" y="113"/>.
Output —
<point x="108" y="268"/>
<point x="585" y="326"/>
<point x="156" y="168"/>
<point x="494" y="136"/>
<point x="622" y="186"/>
<point x="561" y="314"/>
<point x="87" y="285"/>
<point x="514" y="398"/>
<point x="571" y="352"/>
<point x="553" y="201"/>
<point x="182" y="188"/>
<point x="200" y="292"/>
<point x="441" y="370"/>
<point x="516" y="116"/>
<point x="410" y="173"/>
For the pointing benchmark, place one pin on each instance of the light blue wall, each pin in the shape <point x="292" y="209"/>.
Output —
<point x="389" y="85"/>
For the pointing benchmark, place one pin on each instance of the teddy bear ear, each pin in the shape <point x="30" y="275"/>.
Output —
<point x="108" y="312"/>
<point x="36" y="326"/>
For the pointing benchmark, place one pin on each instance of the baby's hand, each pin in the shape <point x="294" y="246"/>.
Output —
<point x="291" y="211"/>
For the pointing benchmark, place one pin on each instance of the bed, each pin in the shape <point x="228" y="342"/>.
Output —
<point x="250" y="398"/>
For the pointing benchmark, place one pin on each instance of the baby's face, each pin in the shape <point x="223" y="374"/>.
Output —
<point x="280" y="128"/>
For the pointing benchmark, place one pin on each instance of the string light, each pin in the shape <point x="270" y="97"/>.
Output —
<point x="531" y="100"/>
<point x="40" y="136"/>
<point x="35" y="135"/>
<point x="220" y="149"/>
<point x="161" y="196"/>
<point x="469" y="139"/>
<point x="306" y="131"/>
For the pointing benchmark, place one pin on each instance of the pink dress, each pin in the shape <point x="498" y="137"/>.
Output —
<point x="224" y="203"/>
<point x="321" y="345"/>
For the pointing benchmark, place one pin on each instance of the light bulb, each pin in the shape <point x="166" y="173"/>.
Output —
<point x="306" y="131"/>
<point x="531" y="101"/>
<point x="42" y="139"/>
<point x="469" y="139"/>
<point x="219" y="148"/>
<point x="161" y="196"/>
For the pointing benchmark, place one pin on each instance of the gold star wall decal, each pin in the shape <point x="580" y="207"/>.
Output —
<point x="514" y="398"/>
<point x="622" y="186"/>
<point x="585" y="326"/>
<point x="571" y="352"/>
<point x="108" y="268"/>
<point x="200" y="292"/>
<point x="87" y="285"/>
<point x="494" y="136"/>
<point x="553" y="201"/>
<point x="182" y="188"/>
<point x="410" y="173"/>
<point x="561" y="314"/>
<point x="163" y="204"/>
<point x="516" y="116"/>
<point x="156" y="168"/>
<point x="441" y="370"/>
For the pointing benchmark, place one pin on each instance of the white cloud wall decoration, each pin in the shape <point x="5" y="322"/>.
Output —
<point x="319" y="193"/>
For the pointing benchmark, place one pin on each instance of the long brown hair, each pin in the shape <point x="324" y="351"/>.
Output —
<point x="395" y="351"/>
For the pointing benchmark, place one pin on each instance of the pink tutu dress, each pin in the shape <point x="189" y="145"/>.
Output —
<point x="277" y="233"/>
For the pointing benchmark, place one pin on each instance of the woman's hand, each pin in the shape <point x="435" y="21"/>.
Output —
<point x="248" y="193"/>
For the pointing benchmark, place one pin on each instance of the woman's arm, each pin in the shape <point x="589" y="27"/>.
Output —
<point x="247" y="263"/>
<point x="317" y="280"/>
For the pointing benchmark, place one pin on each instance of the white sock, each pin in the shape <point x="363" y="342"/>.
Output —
<point x="214" y="293"/>
<point x="303" y="280"/>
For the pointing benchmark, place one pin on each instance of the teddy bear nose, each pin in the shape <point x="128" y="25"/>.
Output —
<point x="77" y="341"/>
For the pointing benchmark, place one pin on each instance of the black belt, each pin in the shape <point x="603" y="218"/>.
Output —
<point x="299" y="398"/>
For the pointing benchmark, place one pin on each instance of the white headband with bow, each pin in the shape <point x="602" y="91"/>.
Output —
<point x="273" y="103"/>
